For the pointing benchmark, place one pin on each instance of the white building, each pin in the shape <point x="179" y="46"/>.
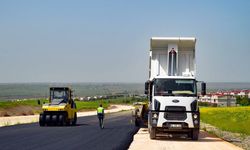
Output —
<point x="224" y="100"/>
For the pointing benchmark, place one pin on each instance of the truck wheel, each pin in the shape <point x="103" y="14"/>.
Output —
<point x="189" y="134"/>
<point x="74" y="120"/>
<point x="41" y="120"/>
<point x="137" y="122"/>
<point x="152" y="133"/>
<point x="195" y="134"/>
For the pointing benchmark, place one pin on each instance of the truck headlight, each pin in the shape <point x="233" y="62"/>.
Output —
<point x="195" y="116"/>
<point x="155" y="116"/>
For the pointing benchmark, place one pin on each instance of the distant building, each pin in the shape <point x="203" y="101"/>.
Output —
<point x="224" y="100"/>
<point x="206" y="98"/>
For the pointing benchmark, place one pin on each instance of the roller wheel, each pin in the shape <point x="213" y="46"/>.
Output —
<point x="48" y="119"/>
<point x="74" y="120"/>
<point x="41" y="120"/>
<point x="54" y="119"/>
<point x="67" y="121"/>
<point x="61" y="120"/>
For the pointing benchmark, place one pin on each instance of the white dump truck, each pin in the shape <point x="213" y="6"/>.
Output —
<point x="172" y="87"/>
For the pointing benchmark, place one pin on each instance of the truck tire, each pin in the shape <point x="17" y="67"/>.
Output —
<point x="41" y="120"/>
<point x="74" y="120"/>
<point x="152" y="133"/>
<point x="137" y="123"/>
<point x="195" y="134"/>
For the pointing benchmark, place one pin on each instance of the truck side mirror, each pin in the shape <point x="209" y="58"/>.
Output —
<point x="146" y="88"/>
<point x="203" y="88"/>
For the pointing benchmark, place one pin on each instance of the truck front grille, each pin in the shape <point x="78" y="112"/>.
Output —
<point x="178" y="113"/>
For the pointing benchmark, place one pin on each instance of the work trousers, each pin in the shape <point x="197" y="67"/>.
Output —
<point x="101" y="117"/>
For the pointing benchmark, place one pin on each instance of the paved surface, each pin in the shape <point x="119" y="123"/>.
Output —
<point x="12" y="120"/>
<point x="205" y="142"/>
<point x="117" y="134"/>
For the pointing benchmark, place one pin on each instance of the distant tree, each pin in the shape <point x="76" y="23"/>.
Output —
<point x="245" y="101"/>
<point x="238" y="100"/>
<point x="76" y="99"/>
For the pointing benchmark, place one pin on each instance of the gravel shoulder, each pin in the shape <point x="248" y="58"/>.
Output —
<point x="237" y="139"/>
<point x="205" y="142"/>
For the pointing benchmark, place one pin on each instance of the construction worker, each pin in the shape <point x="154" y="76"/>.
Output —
<point x="100" y="114"/>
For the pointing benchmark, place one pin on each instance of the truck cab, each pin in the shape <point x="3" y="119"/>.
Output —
<point x="172" y="87"/>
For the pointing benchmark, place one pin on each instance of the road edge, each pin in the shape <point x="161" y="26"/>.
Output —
<point x="15" y="120"/>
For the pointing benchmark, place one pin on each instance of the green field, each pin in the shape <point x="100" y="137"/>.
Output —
<point x="81" y="105"/>
<point x="233" y="119"/>
<point x="29" y="102"/>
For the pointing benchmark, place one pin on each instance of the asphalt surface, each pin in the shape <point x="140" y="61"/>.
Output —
<point x="117" y="134"/>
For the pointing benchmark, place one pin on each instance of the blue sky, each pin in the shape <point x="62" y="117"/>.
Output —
<point x="108" y="41"/>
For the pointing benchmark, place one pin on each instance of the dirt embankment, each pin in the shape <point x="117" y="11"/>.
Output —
<point x="21" y="110"/>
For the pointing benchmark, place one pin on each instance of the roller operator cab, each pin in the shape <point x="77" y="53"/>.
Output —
<point x="172" y="87"/>
<point x="61" y="109"/>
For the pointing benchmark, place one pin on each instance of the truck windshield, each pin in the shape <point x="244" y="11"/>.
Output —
<point x="175" y="87"/>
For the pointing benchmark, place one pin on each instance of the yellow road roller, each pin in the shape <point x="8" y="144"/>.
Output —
<point x="61" y="109"/>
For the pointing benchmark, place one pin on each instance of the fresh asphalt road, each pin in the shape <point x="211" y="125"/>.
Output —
<point x="117" y="134"/>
